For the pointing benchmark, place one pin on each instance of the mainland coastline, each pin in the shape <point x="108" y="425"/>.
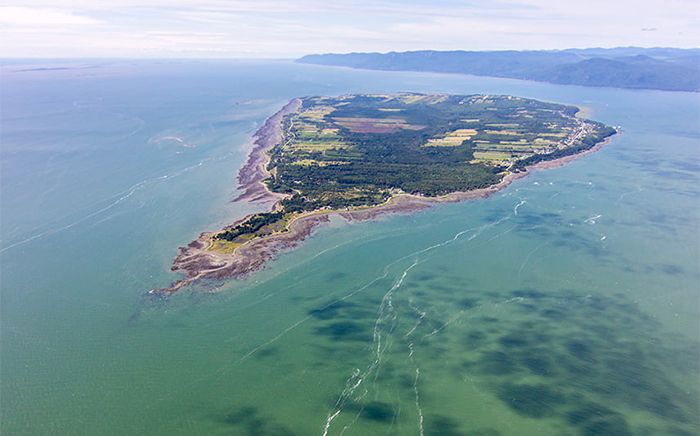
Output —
<point x="198" y="262"/>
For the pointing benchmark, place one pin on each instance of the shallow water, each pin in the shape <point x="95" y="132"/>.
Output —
<point x="566" y="304"/>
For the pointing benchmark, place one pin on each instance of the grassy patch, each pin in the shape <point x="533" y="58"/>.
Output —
<point x="375" y="125"/>
<point x="317" y="145"/>
<point x="491" y="156"/>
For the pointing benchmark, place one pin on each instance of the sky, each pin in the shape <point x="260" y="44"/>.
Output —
<point x="293" y="28"/>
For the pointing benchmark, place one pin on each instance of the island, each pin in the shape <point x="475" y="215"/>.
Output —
<point x="362" y="155"/>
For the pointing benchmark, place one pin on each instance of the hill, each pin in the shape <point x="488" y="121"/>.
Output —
<point x="666" y="69"/>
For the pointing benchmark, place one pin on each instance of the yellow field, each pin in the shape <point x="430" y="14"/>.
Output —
<point x="541" y="142"/>
<point x="463" y="132"/>
<point x="453" y="139"/>
<point x="450" y="141"/>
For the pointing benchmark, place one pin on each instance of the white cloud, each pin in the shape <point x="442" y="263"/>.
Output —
<point x="261" y="6"/>
<point x="277" y="28"/>
<point x="208" y="16"/>
<point x="37" y="17"/>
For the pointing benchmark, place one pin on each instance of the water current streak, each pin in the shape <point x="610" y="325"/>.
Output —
<point x="388" y="320"/>
<point x="120" y="197"/>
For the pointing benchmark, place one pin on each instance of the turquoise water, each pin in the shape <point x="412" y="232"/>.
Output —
<point x="566" y="304"/>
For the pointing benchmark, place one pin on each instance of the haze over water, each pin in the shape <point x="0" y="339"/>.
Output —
<point x="566" y="304"/>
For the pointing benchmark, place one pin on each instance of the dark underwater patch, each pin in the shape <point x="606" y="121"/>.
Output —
<point x="484" y="432"/>
<point x="466" y="303"/>
<point x="554" y="314"/>
<point x="379" y="412"/>
<point x="661" y="404"/>
<point x="336" y="276"/>
<point x="527" y="307"/>
<point x="439" y="425"/>
<point x="474" y="339"/>
<point x="672" y="269"/>
<point x="266" y="352"/>
<point x="534" y="401"/>
<point x="612" y="425"/>
<point x="588" y="412"/>
<point x="435" y="324"/>
<point x="538" y="362"/>
<point x="580" y="350"/>
<point x="425" y="276"/>
<point x="406" y="381"/>
<point x="686" y="166"/>
<point x="531" y="220"/>
<point x="240" y="415"/>
<point x="330" y="310"/>
<point x="598" y="303"/>
<point x="515" y="339"/>
<point x="345" y="331"/>
<point x="248" y="421"/>
<point x="575" y="242"/>
<point x="497" y="363"/>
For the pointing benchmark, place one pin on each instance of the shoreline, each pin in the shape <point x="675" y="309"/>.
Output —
<point x="254" y="171"/>
<point x="199" y="263"/>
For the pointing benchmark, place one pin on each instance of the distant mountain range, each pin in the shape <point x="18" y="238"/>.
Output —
<point x="668" y="69"/>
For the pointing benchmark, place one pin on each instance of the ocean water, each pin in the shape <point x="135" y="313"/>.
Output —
<point x="566" y="304"/>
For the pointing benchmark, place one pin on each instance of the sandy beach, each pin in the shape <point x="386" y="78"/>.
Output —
<point x="199" y="263"/>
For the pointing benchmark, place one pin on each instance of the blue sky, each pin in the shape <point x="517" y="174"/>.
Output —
<point x="292" y="28"/>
